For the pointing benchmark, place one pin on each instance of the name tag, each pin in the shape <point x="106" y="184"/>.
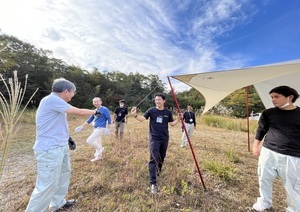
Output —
<point x="159" y="120"/>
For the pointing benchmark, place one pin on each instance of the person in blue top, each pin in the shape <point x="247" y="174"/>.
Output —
<point x="279" y="156"/>
<point x="160" y="117"/>
<point x="101" y="123"/>
<point x="51" y="148"/>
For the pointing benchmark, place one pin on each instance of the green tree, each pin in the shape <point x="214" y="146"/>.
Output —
<point x="191" y="97"/>
<point x="135" y="88"/>
<point x="237" y="101"/>
<point x="26" y="59"/>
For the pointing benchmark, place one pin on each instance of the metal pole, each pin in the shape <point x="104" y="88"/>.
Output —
<point x="190" y="144"/>
<point x="247" y="115"/>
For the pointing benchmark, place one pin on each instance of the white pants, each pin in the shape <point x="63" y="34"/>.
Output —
<point x="189" y="129"/>
<point x="95" y="138"/>
<point x="271" y="165"/>
<point x="53" y="177"/>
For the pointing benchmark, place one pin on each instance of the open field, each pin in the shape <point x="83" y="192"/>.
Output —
<point x="119" y="182"/>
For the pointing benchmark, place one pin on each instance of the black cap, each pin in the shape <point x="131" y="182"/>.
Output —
<point x="122" y="100"/>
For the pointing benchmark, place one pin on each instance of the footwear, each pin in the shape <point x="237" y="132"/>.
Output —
<point x="259" y="206"/>
<point x="68" y="204"/>
<point x="183" y="145"/>
<point x="99" y="157"/>
<point x="153" y="189"/>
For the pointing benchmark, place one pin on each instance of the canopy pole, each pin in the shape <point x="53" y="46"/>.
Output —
<point x="185" y="130"/>
<point x="247" y="115"/>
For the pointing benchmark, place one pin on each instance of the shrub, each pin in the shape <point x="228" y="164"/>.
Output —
<point x="232" y="156"/>
<point x="221" y="170"/>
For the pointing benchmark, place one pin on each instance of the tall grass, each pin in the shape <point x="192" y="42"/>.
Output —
<point x="229" y="123"/>
<point x="10" y="113"/>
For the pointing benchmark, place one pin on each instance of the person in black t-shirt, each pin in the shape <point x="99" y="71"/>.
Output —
<point x="279" y="155"/>
<point x="160" y="117"/>
<point x="120" y="118"/>
<point x="190" y="124"/>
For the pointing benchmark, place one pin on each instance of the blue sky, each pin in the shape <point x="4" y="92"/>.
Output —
<point x="167" y="38"/>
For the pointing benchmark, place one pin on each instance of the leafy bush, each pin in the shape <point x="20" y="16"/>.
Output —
<point x="232" y="156"/>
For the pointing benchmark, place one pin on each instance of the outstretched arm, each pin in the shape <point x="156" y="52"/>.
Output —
<point x="79" y="111"/>
<point x="136" y="116"/>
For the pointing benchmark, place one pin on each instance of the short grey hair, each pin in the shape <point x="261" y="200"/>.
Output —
<point x="61" y="84"/>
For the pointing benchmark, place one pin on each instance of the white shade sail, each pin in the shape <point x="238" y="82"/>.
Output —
<point x="215" y="86"/>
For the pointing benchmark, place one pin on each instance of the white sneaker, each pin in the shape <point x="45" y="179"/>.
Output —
<point x="259" y="205"/>
<point x="153" y="189"/>
<point x="183" y="145"/>
<point x="99" y="157"/>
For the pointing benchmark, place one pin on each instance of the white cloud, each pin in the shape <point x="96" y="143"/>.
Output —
<point x="150" y="37"/>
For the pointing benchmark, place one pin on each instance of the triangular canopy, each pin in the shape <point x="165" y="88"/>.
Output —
<point x="215" y="86"/>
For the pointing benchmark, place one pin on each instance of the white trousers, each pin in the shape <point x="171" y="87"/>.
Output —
<point x="189" y="129"/>
<point x="95" y="138"/>
<point x="53" y="178"/>
<point x="271" y="165"/>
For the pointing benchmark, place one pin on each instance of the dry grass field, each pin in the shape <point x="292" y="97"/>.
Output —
<point x="119" y="182"/>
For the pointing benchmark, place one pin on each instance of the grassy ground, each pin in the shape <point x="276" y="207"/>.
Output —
<point x="119" y="182"/>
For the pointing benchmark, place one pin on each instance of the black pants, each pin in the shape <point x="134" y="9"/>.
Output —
<point x="158" y="150"/>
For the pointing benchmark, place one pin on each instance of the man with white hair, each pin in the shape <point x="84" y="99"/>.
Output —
<point x="101" y="123"/>
<point x="51" y="148"/>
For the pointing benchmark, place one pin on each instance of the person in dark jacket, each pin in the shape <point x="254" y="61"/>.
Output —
<point x="190" y="124"/>
<point x="279" y="155"/>
<point x="160" y="118"/>
<point x="120" y="119"/>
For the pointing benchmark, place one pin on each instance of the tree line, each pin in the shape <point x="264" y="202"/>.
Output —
<point x="42" y="68"/>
